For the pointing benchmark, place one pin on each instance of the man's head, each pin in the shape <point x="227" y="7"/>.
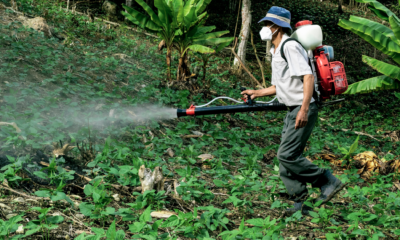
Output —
<point x="278" y="19"/>
<point x="276" y="28"/>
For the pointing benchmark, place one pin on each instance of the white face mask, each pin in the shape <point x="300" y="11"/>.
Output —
<point x="266" y="33"/>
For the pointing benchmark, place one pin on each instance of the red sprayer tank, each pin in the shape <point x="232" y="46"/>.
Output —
<point x="331" y="76"/>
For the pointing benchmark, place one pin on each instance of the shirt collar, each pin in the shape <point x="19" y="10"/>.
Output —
<point x="284" y="37"/>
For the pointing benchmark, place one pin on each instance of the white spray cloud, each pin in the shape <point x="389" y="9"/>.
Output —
<point x="103" y="115"/>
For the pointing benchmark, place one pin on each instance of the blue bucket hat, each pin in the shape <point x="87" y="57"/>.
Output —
<point x="279" y="16"/>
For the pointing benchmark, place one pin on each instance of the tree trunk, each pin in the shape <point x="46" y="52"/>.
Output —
<point x="169" y="50"/>
<point x="244" y="35"/>
<point x="269" y="55"/>
<point x="183" y="68"/>
<point x="129" y="4"/>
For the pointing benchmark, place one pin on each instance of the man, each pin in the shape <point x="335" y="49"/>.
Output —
<point x="293" y="85"/>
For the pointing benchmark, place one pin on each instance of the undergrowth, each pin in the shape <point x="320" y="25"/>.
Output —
<point x="67" y="91"/>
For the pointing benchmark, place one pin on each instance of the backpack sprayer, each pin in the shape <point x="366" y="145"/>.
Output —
<point x="330" y="77"/>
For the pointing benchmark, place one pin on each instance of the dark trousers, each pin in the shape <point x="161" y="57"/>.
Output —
<point x="295" y="170"/>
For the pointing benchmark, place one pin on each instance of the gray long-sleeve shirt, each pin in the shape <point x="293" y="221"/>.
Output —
<point x="288" y="76"/>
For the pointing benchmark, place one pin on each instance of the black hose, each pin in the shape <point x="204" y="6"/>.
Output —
<point x="274" y="106"/>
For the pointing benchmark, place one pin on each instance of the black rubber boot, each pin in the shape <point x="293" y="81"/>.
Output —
<point x="298" y="206"/>
<point x="329" y="185"/>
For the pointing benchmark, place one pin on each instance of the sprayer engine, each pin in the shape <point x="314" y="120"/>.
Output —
<point x="331" y="75"/>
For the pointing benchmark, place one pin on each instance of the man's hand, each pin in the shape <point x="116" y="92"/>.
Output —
<point x="301" y="119"/>
<point x="252" y="94"/>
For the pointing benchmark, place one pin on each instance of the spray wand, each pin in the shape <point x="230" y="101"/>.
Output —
<point x="248" y="105"/>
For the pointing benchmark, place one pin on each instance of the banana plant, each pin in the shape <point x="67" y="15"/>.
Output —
<point x="171" y="15"/>
<point x="206" y="56"/>
<point x="382" y="38"/>
<point x="199" y="39"/>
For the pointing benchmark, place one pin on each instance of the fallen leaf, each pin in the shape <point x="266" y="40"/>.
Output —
<point x="368" y="163"/>
<point x="395" y="136"/>
<point x="13" y="124"/>
<point x="162" y="214"/>
<point x="205" y="157"/>
<point x="170" y="152"/>
<point x="111" y="114"/>
<point x="197" y="133"/>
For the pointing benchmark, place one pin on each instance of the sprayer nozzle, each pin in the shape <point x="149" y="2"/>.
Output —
<point x="181" y="112"/>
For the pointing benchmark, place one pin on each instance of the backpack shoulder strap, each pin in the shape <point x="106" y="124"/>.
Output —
<point x="315" y="94"/>
<point x="283" y="45"/>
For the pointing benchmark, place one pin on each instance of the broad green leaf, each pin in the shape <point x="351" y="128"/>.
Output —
<point x="395" y="25"/>
<point x="50" y="226"/>
<point x="218" y="183"/>
<point x="202" y="17"/>
<point x="98" y="231"/>
<point x="375" y="38"/>
<point x="373" y="25"/>
<point x="42" y="193"/>
<point x="55" y="219"/>
<point x="86" y="208"/>
<point x="96" y="197"/>
<point x="83" y="236"/>
<point x="276" y="204"/>
<point x="136" y="227"/>
<point x="258" y="222"/>
<point x="371" y="217"/>
<point x="361" y="232"/>
<point x="379" y="9"/>
<point x="41" y="174"/>
<point x="183" y="11"/>
<point x="222" y="46"/>
<point x="214" y="41"/>
<point x="397" y="95"/>
<point x="314" y="214"/>
<point x="190" y="17"/>
<point x="171" y="222"/>
<point x="60" y="196"/>
<point x="354" y="146"/>
<point x="201" y="6"/>
<point x="165" y="14"/>
<point x="36" y="208"/>
<point x="150" y="11"/>
<point x="241" y="227"/>
<point x="200" y="31"/>
<point x="111" y="231"/>
<point x="145" y="217"/>
<point x="140" y="19"/>
<point x="32" y="231"/>
<point x="181" y="172"/>
<point x="212" y="35"/>
<point x="201" y="49"/>
<point x="232" y="199"/>
<point x="120" y="235"/>
<point x="88" y="190"/>
<point x="322" y="213"/>
<point x="156" y="225"/>
<point x="382" y="67"/>
<point x="373" y="84"/>
<point x="176" y="6"/>
<point x="110" y="210"/>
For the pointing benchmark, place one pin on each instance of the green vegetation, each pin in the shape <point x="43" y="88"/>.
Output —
<point x="179" y="24"/>
<point x="384" y="39"/>
<point x="81" y="91"/>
